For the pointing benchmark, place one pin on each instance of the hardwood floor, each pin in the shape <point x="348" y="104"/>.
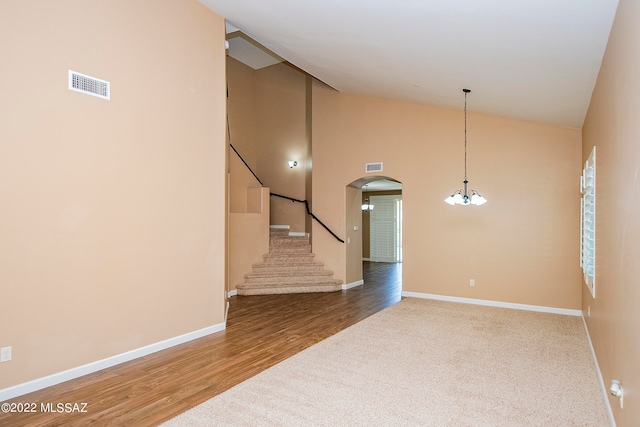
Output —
<point x="261" y="331"/>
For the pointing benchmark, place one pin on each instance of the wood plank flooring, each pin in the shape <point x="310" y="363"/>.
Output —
<point x="261" y="331"/>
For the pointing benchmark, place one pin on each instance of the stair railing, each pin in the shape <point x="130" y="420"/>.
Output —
<point x="306" y="203"/>
<point x="245" y="163"/>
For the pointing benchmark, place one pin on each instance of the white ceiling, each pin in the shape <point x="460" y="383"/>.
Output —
<point x="532" y="59"/>
<point x="249" y="53"/>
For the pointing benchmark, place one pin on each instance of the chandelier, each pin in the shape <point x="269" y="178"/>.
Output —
<point x="465" y="196"/>
<point x="366" y="206"/>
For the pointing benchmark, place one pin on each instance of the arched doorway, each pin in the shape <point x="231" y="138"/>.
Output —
<point x="374" y="228"/>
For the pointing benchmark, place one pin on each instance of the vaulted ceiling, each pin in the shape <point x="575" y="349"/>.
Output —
<point x="530" y="59"/>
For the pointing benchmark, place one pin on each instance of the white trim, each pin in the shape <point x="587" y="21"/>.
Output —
<point x="232" y="293"/>
<point x="352" y="285"/>
<point x="366" y="259"/>
<point x="539" y="308"/>
<point x="286" y="227"/>
<point x="605" y="392"/>
<point x="50" y="380"/>
<point x="298" y="233"/>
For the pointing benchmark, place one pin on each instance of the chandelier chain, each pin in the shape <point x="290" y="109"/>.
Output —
<point x="465" y="135"/>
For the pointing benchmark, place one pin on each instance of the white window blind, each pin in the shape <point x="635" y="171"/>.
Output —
<point x="386" y="229"/>
<point x="588" y="222"/>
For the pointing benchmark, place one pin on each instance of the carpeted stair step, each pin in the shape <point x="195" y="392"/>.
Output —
<point x="289" y="259"/>
<point x="287" y="288"/>
<point x="291" y="276"/>
<point x="290" y="250"/>
<point x="292" y="244"/>
<point x="289" y="267"/>
<point x="285" y="268"/>
<point x="288" y="241"/>
<point x="275" y="231"/>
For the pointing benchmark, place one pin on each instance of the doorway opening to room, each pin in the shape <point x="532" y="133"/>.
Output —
<point x="374" y="219"/>
<point x="382" y="228"/>
<point x="382" y="221"/>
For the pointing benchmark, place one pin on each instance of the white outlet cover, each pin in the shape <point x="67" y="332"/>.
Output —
<point x="5" y="354"/>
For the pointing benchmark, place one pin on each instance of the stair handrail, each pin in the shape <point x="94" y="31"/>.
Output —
<point x="245" y="163"/>
<point x="306" y="205"/>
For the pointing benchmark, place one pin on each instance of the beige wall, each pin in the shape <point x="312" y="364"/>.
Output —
<point x="521" y="247"/>
<point x="240" y="181"/>
<point x="353" y="239"/>
<point x="268" y="125"/>
<point x="612" y="125"/>
<point x="248" y="236"/>
<point x="112" y="231"/>
<point x="308" y="179"/>
<point x="282" y="136"/>
<point x="241" y="111"/>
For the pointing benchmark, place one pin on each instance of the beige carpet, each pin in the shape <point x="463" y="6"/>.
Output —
<point x="426" y="363"/>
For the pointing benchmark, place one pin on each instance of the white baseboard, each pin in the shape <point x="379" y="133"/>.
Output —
<point x="48" y="381"/>
<point x="281" y="227"/>
<point x="352" y="285"/>
<point x="605" y="390"/>
<point x="539" y="308"/>
<point x="232" y="293"/>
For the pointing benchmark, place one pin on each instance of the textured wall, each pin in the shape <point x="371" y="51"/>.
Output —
<point x="612" y="125"/>
<point x="112" y="230"/>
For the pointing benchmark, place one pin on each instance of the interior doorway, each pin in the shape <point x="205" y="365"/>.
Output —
<point x="385" y="229"/>
<point x="382" y="221"/>
<point x="376" y="210"/>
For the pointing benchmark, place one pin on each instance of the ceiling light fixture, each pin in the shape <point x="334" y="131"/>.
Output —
<point x="464" y="196"/>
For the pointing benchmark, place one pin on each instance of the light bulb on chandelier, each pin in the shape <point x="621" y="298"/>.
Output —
<point x="465" y="196"/>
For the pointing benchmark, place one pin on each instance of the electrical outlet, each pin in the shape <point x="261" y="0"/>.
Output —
<point x="472" y="282"/>
<point x="5" y="354"/>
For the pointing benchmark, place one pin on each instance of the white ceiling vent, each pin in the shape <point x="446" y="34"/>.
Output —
<point x="373" y="167"/>
<point x="89" y="85"/>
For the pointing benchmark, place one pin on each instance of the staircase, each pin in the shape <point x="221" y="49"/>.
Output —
<point x="288" y="268"/>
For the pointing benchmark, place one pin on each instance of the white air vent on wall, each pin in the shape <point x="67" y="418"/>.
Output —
<point x="373" y="167"/>
<point x="89" y="85"/>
